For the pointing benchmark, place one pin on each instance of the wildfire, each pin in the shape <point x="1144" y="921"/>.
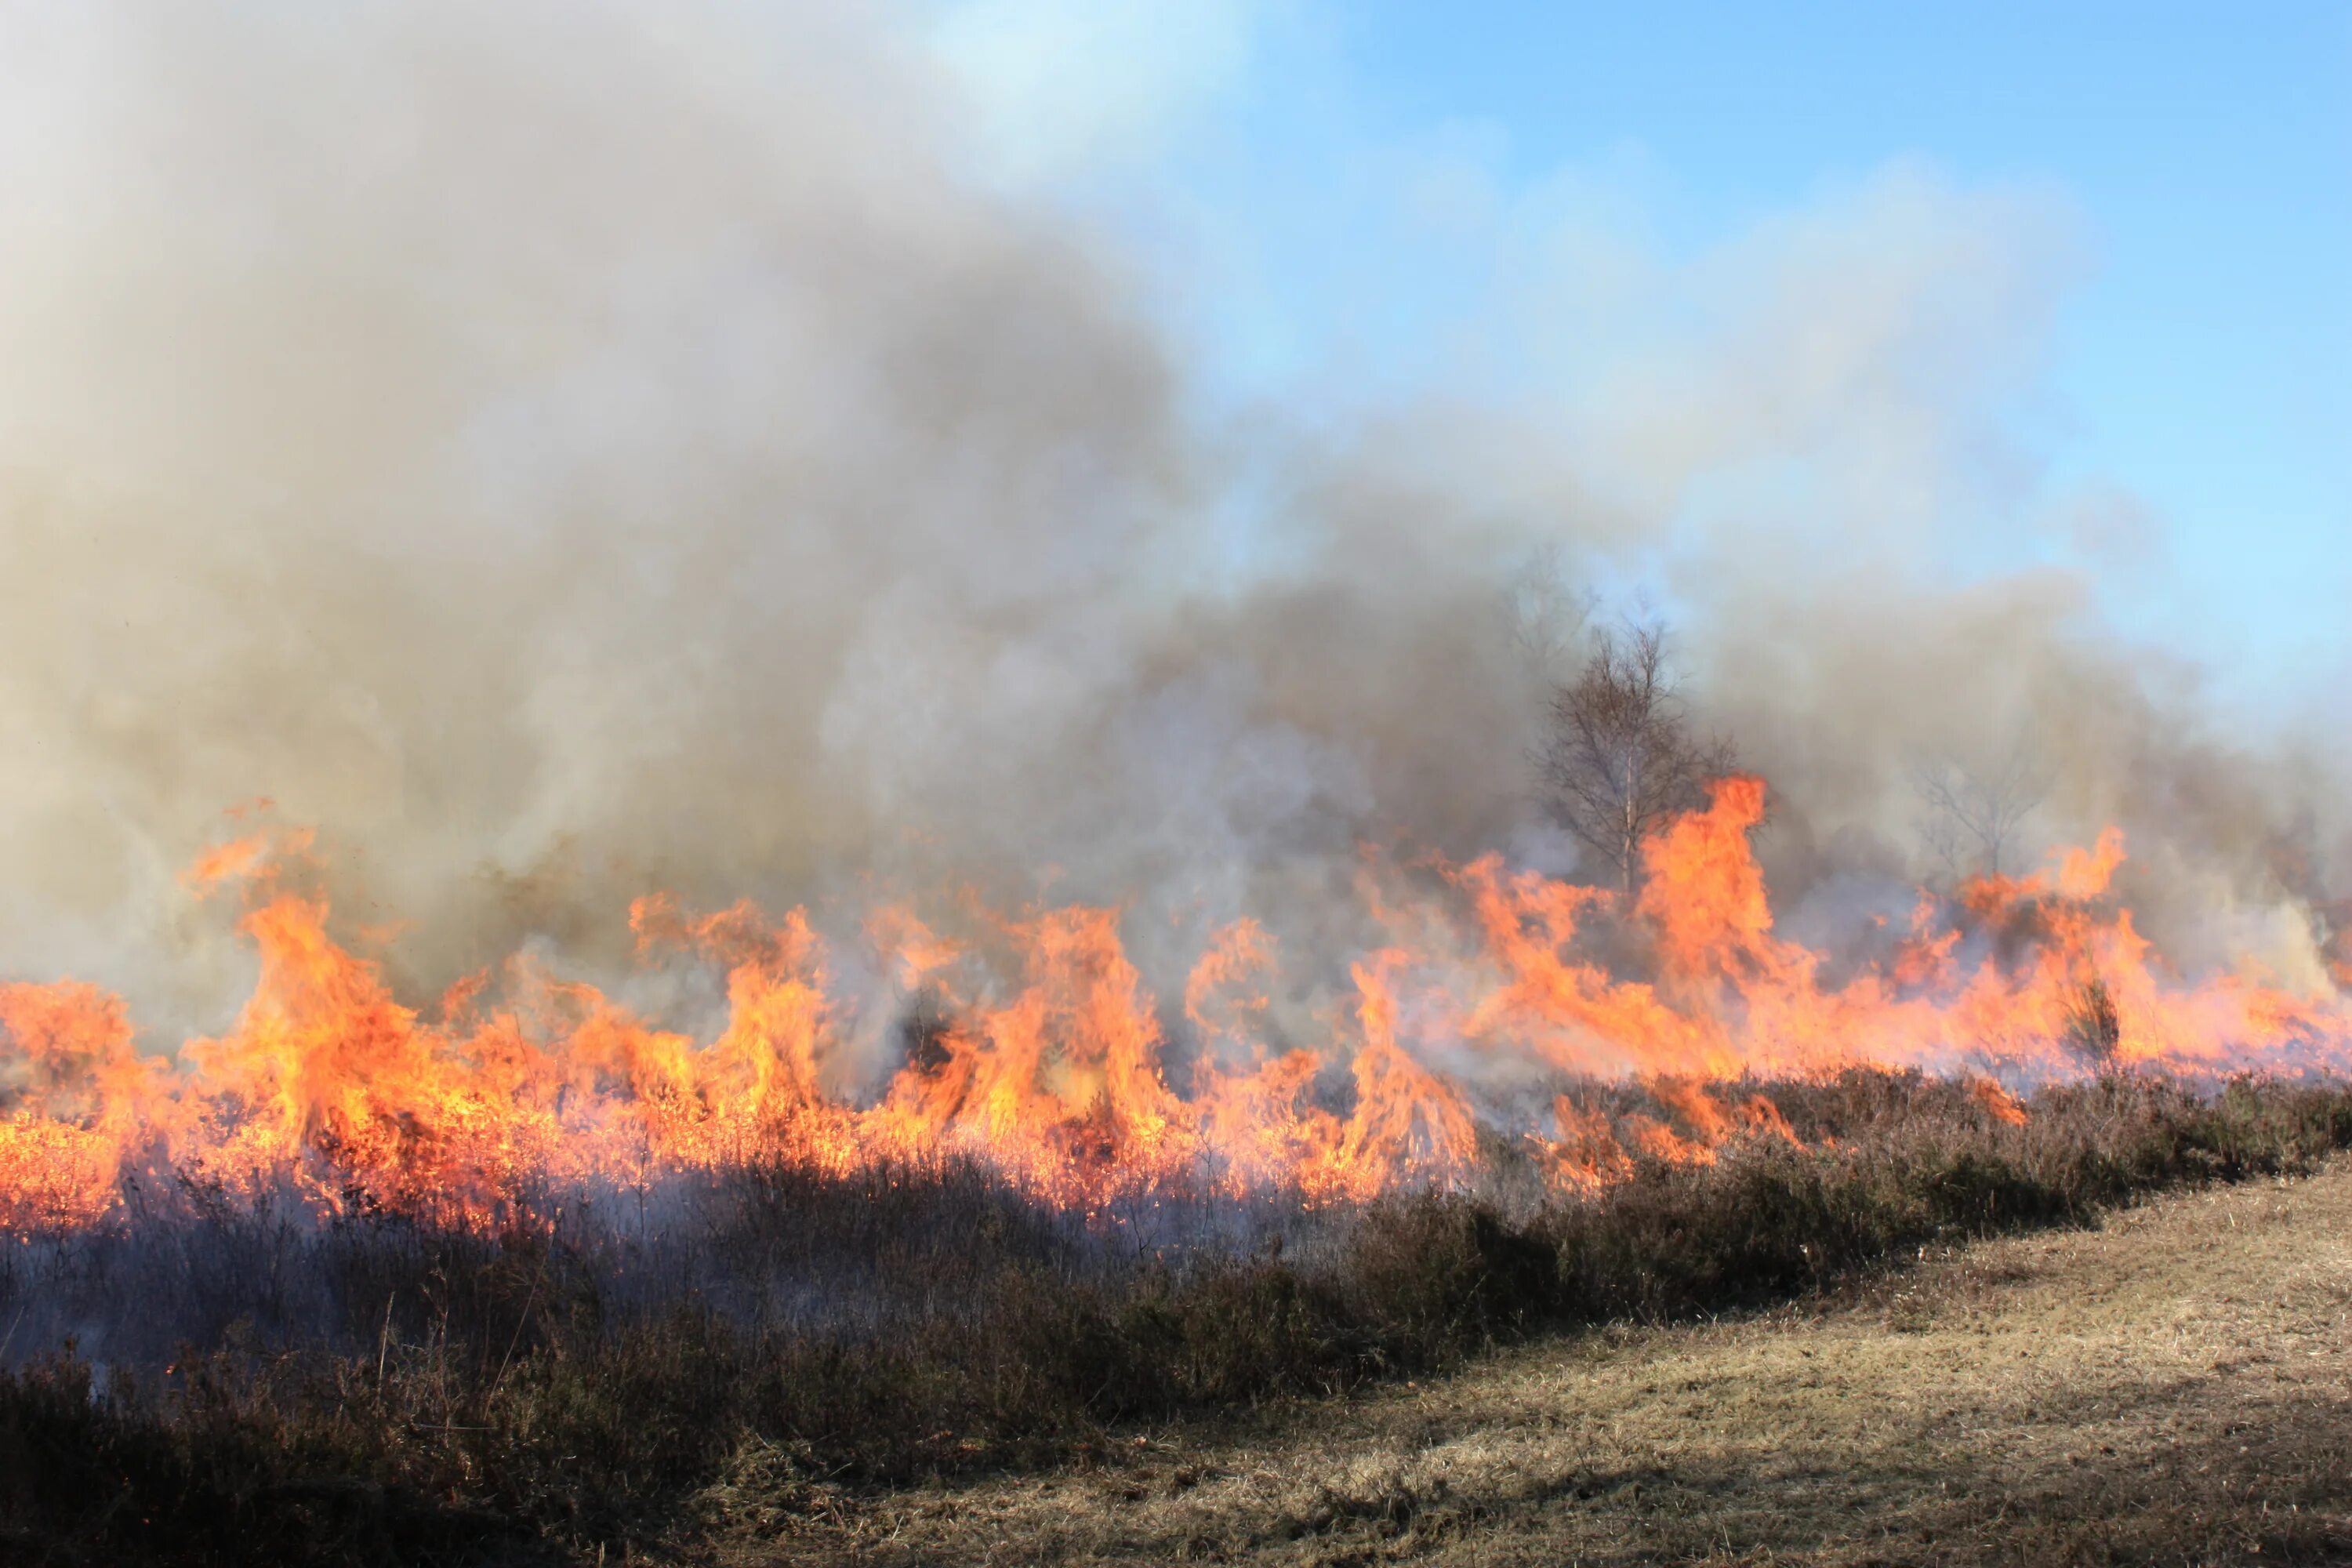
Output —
<point x="1058" y="1069"/>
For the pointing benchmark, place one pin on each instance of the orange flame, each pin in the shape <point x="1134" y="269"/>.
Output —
<point x="1058" y="1069"/>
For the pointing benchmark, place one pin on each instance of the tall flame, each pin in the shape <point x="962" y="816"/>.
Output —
<point x="1059" y="1071"/>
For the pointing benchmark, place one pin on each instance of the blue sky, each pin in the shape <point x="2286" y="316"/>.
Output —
<point x="2204" y="355"/>
<point x="2174" y="183"/>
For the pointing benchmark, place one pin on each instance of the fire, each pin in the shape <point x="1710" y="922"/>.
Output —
<point x="1058" y="1067"/>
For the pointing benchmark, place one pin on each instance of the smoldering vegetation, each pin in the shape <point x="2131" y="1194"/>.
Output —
<point x="367" y="1390"/>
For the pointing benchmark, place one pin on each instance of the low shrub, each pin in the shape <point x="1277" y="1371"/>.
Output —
<point x="371" y="1391"/>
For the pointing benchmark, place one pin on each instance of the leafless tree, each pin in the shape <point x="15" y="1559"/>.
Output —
<point x="1544" y="617"/>
<point x="1620" y="758"/>
<point x="1973" y="817"/>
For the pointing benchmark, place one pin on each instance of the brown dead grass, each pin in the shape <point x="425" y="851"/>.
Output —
<point x="2174" y="1387"/>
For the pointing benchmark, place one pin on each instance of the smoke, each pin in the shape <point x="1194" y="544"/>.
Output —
<point x="550" y="450"/>
<point x="564" y="451"/>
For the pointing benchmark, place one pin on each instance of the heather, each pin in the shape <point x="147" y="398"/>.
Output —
<point x="223" y="1378"/>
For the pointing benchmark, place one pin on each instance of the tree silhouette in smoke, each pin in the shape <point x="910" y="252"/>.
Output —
<point x="1975" y="814"/>
<point x="1620" y="758"/>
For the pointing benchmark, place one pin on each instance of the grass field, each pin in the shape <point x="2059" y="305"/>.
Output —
<point x="2171" y="1386"/>
<point x="1803" y="1348"/>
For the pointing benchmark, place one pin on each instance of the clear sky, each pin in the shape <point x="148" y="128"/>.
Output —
<point x="2186" y="170"/>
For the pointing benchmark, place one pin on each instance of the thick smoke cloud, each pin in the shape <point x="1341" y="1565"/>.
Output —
<point x="565" y="451"/>
<point x="548" y="450"/>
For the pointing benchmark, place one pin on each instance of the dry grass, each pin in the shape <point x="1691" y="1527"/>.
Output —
<point x="2173" y="1387"/>
<point x="785" y="1357"/>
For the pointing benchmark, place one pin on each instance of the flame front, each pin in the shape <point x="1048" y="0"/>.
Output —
<point x="1056" y="1069"/>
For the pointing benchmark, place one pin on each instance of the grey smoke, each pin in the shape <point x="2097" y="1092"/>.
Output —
<point x="562" y="452"/>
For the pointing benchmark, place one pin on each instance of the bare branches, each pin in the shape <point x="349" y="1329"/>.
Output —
<point x="1620" y="760"/>
<point x="1973" y="817"/>
<point x="1543" y="617"/>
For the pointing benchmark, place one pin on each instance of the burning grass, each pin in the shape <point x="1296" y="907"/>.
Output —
<point x="249" y="1382"/>
<point x="1046" y="1057"/>
<point x="532" y="1273"/>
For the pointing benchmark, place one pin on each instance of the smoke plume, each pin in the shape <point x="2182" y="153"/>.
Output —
<point x="565" y="451"/>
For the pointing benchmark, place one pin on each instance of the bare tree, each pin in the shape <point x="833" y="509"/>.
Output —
<point x="1620" y="758"/>
<point x="1974" y="817"/>
<point x="1543" y="617"/>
